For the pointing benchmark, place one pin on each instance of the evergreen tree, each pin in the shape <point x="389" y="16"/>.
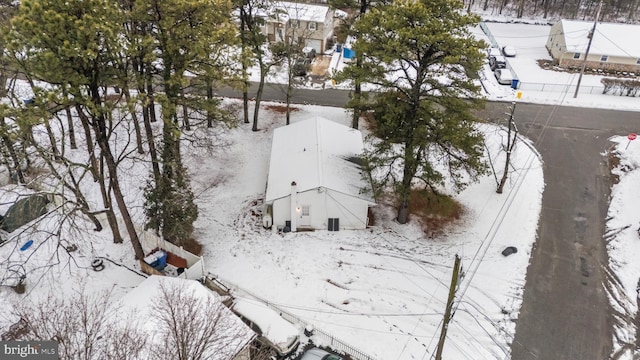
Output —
<point x="424" y="60"/>
<point x="184" y="33"/>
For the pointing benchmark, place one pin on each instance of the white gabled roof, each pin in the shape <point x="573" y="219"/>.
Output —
<point x="304" y="12"/>
<point x="315" y="153"/>
<point x="609" y="39"/>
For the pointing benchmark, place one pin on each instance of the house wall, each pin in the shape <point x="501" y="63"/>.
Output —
<point x="613" y="63"/>
<point x="556" y="42"/>
<point x="323" y="204"/>
<point x="557" y="48"/>
<point x="301" y="29"/>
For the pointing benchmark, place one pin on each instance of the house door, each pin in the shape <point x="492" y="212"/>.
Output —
<point x="305" y="216"/>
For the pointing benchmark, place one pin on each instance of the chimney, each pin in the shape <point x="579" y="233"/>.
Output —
<point x="295" y="209"/>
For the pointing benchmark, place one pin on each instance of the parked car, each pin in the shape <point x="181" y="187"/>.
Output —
<point x="497" y="62"/>
<point x="272" y="329"/>
<point x="309" y="52"/>
<point x="301" y="67"/>
<point x="503" y="76"/>
<point x="509" y="51"/>
<point x="319" y="354"/>
<point x="493" y="52"/>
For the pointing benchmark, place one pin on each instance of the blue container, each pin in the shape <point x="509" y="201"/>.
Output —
<point x="515" y="83"/>
<point x="338" y="47"/>
<point x="162" y="260"/>
<point x="348" y="53"/>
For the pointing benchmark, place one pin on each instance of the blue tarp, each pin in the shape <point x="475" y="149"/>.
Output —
<point x="348" y="53"/>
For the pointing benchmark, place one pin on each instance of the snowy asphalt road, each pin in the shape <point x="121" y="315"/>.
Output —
<point x="565" y="312"/>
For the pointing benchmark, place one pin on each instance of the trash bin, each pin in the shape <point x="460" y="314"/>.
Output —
<point x="162" y="260"/>
<point x="515" y="83"/>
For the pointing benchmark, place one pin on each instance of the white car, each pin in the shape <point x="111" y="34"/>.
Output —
<point x="319" y="354"/>
<point x="493" y="52"/>
<point x="509" y="51"/>
<point x="272" y="329"/>
<point x="503" y="76"/>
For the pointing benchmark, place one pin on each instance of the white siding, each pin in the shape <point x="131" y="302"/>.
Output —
<point x="324" y="204"/>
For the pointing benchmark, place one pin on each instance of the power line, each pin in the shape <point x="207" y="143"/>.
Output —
<point x="341" y="313"/>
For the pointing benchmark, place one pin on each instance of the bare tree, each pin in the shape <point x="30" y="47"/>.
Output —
<point x="194" y="327"/>
<point x="83" y="327"/>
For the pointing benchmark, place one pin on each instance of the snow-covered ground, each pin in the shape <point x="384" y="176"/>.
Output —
<point x="382" y="290"/>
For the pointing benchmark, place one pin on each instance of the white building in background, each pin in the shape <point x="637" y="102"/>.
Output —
<point x="315" y="180"/>
<point x="614" y="46"/>
<point x="312" y="24"/>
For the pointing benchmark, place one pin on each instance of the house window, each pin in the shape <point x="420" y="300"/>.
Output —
<point x="604" y="58"/>
<point x="305" y="210"/>
<point x="295" y="24"/>
<point x="312" y="25"/>
<point x="576" y="55"/>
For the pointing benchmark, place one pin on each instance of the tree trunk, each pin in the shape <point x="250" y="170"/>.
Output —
<point x="90" y="147"/>
<point x="244" y="46"/>
<point x="8" y="143"/>
<point x="122" y="206"/>
<point x="52" y="138"/>
<point x="256" y="110"/>
<point x="633" y="7"/>
<point x="106" y="202"/>
<point x="150" y="92"/>
<point x="403" y="212"/>
<point x="510" y="145"/>
<point x="408" y="172"/>
<point x="209" y="89"/>
<point x="72" y="131"/>
<point x="520" y="9"/>
<point x="134" y="118"/>
<point x="289" y="92"/>
<point x="99" y="127"/>
<point x="357" y="93"/>
<point x="245" y="102"/>
<point x="153" y="153"/>
<point x="502" y="5"/>
<point x="106" y="197"/>
<point x="185" y="112"/>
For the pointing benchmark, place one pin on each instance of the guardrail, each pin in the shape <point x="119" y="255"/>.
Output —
<point x="560" y="88"/>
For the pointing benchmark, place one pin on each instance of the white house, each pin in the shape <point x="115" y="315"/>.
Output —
<point x="614" y="46"/>
<point x="315" y="180"/>
<point x="312" y="24"/>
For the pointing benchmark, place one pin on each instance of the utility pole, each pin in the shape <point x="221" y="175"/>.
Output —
<point x="447" y="313"/>
<point x="586" y="54"/>
<point x="510" y="146"/>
